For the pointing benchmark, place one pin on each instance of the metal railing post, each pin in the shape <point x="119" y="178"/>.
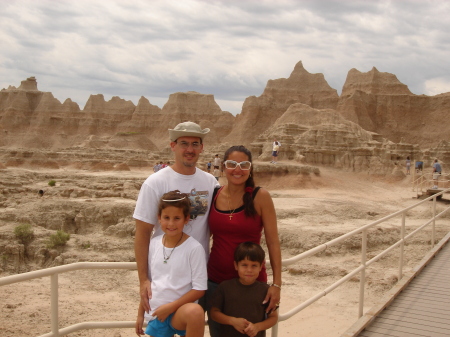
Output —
<point x="402" y="246"/>
<point x="433" y="226"/>
<point x="275" y="330"/>
<point x="54" y="304"/>
<point x="362" y="281"/>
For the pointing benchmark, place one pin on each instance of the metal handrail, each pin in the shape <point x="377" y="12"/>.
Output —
<point x="55" y="271"/>
<point x="424" y="181"/>
<point x="364" y="264"/>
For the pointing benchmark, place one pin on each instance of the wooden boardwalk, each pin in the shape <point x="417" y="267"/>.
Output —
<point x="420" y="309"/>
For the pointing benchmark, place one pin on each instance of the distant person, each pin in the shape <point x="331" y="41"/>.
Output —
<point x="41" y="193"/>
<point x="217" y="161"/>
<point x="275" y="150"/>
<point x="186" y="143"/>
<point x="178" y="273"/>
<point x="237" y="303"/>
<point x="437" y="171"/>
<point x="276" y="141"/>
<point x="419" y="166"/>
<point x="216" y="172"/>
<point x="208" y="167"/>
<point x="408" y="165"/>
<point x="156" y="167"/>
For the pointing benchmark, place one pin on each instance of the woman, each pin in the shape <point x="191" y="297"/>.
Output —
<point x="276" y="147"/>
<point x="239" y="213"/>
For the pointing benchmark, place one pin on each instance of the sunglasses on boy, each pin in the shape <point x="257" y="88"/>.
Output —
<point x="244" y="165"/>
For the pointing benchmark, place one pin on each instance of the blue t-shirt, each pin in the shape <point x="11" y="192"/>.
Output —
<point x="437" y="167"/>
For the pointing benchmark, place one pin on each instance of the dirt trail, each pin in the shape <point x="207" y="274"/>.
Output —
<point x="309" y="213"/>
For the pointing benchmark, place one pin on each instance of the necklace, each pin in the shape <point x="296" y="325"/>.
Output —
<point x="229" y="205"/>
<point x="166" y="258"/>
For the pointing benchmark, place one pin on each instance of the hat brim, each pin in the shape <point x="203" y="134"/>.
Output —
<point x="175" y="134"/>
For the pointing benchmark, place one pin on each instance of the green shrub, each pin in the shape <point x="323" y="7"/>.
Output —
<point x="24" y="233"/>
<point x="58" y="239"/>
<point x="52" y="183"/>
<point x="86" y="245"/>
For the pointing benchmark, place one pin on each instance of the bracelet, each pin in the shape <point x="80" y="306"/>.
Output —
<point x="275" y="285"/>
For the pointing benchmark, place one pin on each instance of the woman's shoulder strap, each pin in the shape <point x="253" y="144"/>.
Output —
<point x="255" y="190"/>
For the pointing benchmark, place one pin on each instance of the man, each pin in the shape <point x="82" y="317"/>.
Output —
<point x="216" y="161"/>
<point x="186" y="144"/>
<point x="437" y="170"/>
<point x="156" y="167"/>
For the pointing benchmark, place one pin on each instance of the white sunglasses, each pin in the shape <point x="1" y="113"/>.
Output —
<point x="244" y="165"/>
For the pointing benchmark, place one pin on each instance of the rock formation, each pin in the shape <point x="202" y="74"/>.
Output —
<point x="259" y="113"/>
<point x="378" y="102"/>
<point x="36" y="120"/>
<point x="302" y="111"/>
<point x="324" y="137"/>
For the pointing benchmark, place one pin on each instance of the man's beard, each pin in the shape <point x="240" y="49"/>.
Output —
<point x="189" y="164"/>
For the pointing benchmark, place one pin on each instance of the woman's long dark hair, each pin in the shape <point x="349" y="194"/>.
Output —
<point x="249" y="207"/>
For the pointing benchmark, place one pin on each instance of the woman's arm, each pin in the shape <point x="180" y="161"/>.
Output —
<point x="265" y="207"/>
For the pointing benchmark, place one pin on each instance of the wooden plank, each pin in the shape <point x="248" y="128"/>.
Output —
<point x="405" y="330"/>
<point x="389" y="317"/>
<point x="407" y="308"/>
<point x="424" y="304"/>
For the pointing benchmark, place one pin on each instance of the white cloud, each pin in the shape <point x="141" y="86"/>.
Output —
<point x="227" y="48"/>
<point x="436" y="86"/>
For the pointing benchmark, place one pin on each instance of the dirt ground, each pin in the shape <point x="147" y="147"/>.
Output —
<point x="310" y="212"/>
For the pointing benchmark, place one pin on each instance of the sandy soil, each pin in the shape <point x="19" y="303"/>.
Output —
<point x="309" y="212"/>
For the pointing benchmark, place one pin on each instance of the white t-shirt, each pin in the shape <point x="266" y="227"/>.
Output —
<point x="200" y="187"/>
<point x="185" y="270"/>
<point x="217" y="161"/>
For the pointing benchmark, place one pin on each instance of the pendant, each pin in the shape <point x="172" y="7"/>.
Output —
<point x="231" y="215"/>
<point x="165" y="261"/>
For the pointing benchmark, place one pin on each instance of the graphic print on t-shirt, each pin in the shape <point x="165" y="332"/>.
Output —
<point x="199" y="203"/>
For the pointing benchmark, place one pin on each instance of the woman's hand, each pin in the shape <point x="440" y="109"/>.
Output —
<point x="273" y="296"/>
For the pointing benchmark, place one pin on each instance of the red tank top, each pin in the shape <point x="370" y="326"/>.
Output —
<point x="227" y="234"/>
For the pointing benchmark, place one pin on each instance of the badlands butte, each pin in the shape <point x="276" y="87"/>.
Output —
<point x="341" y="166"/>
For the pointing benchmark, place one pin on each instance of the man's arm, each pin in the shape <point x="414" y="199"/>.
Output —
<point x="139" y="321"/>
<point x="141" y="246"/>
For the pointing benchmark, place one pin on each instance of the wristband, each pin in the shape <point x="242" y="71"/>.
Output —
<point x="275" y="285"/>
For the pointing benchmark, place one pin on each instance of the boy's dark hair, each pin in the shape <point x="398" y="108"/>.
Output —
<point x="176" y="199"/>
<point x="249" y="250"/>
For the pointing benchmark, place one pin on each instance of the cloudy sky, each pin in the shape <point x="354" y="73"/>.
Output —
<point x="227" y="48"/>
